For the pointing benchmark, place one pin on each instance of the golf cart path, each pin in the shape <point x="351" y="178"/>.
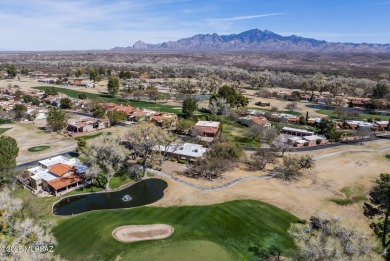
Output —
<point x="269" y="176"/>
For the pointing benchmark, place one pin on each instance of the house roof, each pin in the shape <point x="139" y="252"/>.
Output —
<point x="63" y="182"/>
<point x="58" y="159"/>
<point x="208" y="129"/>
<point x="60" y="169"/>
<point x="297" y="130"/>
<point x="212" y="124"/>
<point x="260" y="120"/>
<point x="314" y="137"/>
<point x="40" y="173"/>
<point x="186" y="149"/>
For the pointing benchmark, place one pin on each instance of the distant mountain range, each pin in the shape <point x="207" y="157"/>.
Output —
<point x="257" y="40"/>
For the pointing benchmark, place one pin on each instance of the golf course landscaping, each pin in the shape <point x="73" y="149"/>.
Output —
<point x="216" y="232"/>
<point x="38" y="148"/>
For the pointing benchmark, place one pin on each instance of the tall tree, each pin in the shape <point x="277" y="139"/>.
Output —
<point x="116" y="116"/>
<point x="329" y="238"/>
<point x="11" y="71"/>
<point x="326" y="127"/>
<point x="56" y="118"/>
<point x="94" y="76"/>
<point x="378" y="210"/>
<point x="113" y="85"/>
<point x="98" y="110"/>
<point x="105" y="157"/>
<point x="143" y="139"/>
<point x="232" y="97"/>
<point x="66" y="103"/>
<point x="8" y="153"/>
<point x="189" y="106"/>
<point x="19" y="110"/>
<point x="381" y="90"/>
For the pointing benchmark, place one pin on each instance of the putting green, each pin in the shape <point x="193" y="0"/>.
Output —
<point x="38" y="148"/>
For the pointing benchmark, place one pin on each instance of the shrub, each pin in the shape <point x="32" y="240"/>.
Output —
<point x="369" y="119"/>
<point x="306" y="144"/>
<point x="318" y="142"/>
<point x="182" y="161"/>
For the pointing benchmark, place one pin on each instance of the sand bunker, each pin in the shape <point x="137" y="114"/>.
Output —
<point x="134" y="233"/>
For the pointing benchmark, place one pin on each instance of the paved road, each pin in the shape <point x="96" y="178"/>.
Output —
<point x="35" y="162"/>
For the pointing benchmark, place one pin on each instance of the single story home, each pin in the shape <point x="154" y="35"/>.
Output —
<point x="207" y="128"/>
<point x="88" y="125"/>
<point x="250" y="120"/>
<point x="297" y="132"/>
<point x="186" y="151"/>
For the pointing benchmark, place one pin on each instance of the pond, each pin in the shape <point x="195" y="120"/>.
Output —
<point x="201" y="97"/>
<point x="348" y="109"/>
<point x="141" y="193"/>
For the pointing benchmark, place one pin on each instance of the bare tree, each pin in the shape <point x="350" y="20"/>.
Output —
<point x="23" y="232"/>
<point x="292" y="106"/>
<point x="145" y="139"/>
<point x="364" y="132"/>
<point x="260" y="159"/>
<point x="219" y="106"/>
<point x="329" y="238"/>
<point x="254" y="132"/>
<point x="292" y="166"/>
<point x="280" y="144"/>
<point x="105" y="156"/>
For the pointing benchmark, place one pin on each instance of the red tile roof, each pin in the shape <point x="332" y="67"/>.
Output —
<point x="60" y="169"/>
<point x="65" y="181"/>
<point x="208" y="129"/>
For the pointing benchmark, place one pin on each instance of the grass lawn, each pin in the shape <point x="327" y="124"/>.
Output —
<point x="332" y="114"/>
<point x="216" y="232"/>
<point x="118" y="100"/>
<point x="2" y="130"/>
<point x="233" y="131"/>
<point x="185" y="250"/>
<point x="4" y="121"/>
<point x="38" y="148"/>
<point x="268" y="109"/>
<point x="92" y="136"/>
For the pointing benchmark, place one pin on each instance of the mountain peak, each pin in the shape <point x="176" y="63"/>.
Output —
<point x="258" y="40"/>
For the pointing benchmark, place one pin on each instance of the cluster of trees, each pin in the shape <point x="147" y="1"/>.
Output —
<point x="124" y="74"/>
<point x="18" y="230"/>
<point x="329" y="238"/>
<point x="109" y="154"/>
<point x="221" y="157"/>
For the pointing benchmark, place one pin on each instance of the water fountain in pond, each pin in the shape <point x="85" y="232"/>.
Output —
<point x="126" y="198"/>
<point x="141" y="193"/>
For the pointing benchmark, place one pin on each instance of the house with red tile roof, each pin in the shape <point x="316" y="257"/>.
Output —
<point x="57" y="175"/>
<point x="88" y="125"/>
<point x="207" y="128"/>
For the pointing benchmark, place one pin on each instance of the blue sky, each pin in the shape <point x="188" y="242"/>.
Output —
<point x="99" y="24"/>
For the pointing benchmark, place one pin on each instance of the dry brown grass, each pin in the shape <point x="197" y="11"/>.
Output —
<point x="304" y="198"/>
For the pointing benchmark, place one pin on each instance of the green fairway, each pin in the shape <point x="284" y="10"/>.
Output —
<point x="92" y="136"/>
<point x="332" y="114"/>
<point x="118" y="100"/>
<point x="38" y="148"/>
<point x="186" y="250"/>
<point x="216" y="232"/>
<point x="2" y="130"/>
